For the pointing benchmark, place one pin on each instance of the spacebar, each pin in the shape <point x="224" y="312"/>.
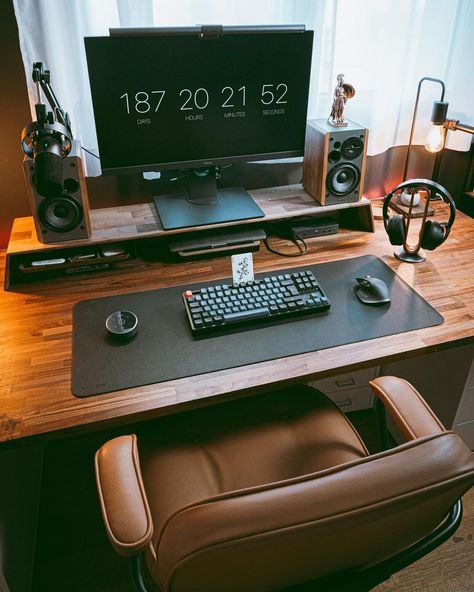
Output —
<point x="246" y="315"/>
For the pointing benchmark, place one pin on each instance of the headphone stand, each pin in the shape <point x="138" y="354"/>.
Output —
<point x="403" y="255"/>
<point x="432" y="233"/>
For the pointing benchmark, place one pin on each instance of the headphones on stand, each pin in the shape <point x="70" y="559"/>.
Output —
<point x="432" y="233"/>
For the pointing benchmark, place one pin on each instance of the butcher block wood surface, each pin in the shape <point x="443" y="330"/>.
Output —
<point x="36" y="324"/>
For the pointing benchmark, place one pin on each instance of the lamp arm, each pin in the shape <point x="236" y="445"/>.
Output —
<point x="456" y="125"/>
<point x="414" y="117"/>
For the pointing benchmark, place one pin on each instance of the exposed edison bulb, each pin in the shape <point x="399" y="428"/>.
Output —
<point x="435" y="138"/>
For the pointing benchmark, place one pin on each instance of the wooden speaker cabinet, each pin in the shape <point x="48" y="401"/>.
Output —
<point x="64" y="217"/>
<point x="334" y="162"/>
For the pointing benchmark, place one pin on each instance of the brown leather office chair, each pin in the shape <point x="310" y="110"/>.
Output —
<point x="276" y="491"/>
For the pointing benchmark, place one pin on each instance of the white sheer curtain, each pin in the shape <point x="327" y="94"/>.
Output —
<point x="382" y="47"/>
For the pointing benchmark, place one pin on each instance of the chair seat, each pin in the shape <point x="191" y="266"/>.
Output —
<point x="229" y="448"/>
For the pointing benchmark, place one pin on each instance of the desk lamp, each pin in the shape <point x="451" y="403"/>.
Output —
<point x="438" y="115"/>
<point x="432" y="233"/>
<point x="436" y="137"/>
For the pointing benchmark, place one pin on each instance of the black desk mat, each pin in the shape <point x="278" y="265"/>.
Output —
<point x="164" y="348"/>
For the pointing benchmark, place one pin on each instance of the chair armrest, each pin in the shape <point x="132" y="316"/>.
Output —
<point x="407" y="407"/>
<point x="122" y="496"/>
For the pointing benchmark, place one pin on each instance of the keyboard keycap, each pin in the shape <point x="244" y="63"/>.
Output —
<point x="246" y="315"/>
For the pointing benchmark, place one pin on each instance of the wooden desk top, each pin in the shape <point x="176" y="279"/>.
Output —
<point x="35" y="336"/>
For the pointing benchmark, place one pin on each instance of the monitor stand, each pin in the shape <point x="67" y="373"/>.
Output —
<point x="205" y="203"/>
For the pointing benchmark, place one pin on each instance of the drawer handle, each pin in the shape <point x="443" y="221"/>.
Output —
<point x="346" y="403"/>
<point x="347" y="382"/>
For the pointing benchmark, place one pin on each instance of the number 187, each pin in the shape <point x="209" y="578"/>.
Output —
<point x="142" y="101"/>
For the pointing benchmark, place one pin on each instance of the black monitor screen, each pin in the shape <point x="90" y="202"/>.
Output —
<point x="170" y="101"/>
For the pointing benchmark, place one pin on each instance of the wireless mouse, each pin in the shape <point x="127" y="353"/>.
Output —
<point x="373" y="291"/>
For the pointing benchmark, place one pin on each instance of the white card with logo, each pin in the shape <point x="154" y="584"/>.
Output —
<point x="242" y="268"/>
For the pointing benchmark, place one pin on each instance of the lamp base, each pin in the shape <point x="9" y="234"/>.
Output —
<point x="410" y="257"/>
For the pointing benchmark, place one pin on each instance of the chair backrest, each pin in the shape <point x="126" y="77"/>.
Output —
<point x="351" y="515"/>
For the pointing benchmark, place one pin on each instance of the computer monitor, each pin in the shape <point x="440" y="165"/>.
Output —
<point x="195" y="99"/>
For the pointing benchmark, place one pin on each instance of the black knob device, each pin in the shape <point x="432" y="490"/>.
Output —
<point x="122" y="325"/>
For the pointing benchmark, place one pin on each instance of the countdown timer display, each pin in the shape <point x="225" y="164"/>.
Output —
<point x="171" y="101"/>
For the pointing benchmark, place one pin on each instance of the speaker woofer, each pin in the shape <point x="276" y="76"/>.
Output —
<point x="60" y="214"/>
<point x="343" y="178"/>
<point x="352" y="147"/>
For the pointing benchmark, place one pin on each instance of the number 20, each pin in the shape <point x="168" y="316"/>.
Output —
<point x="200" y="104"/>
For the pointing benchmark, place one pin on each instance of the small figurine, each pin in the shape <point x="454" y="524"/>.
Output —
<point x="342" y="92"/>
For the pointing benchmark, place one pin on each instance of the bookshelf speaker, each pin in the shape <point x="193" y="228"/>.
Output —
<point x="63" y="217"/>
<point x="334" y="162"/>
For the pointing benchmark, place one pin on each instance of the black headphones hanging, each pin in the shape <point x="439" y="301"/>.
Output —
<point x="432" y="233"/>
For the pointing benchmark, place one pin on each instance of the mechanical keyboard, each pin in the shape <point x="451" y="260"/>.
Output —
<point x="270" y="298"/>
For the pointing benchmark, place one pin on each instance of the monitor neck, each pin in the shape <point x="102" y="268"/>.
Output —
<point x="202" y="186"/>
